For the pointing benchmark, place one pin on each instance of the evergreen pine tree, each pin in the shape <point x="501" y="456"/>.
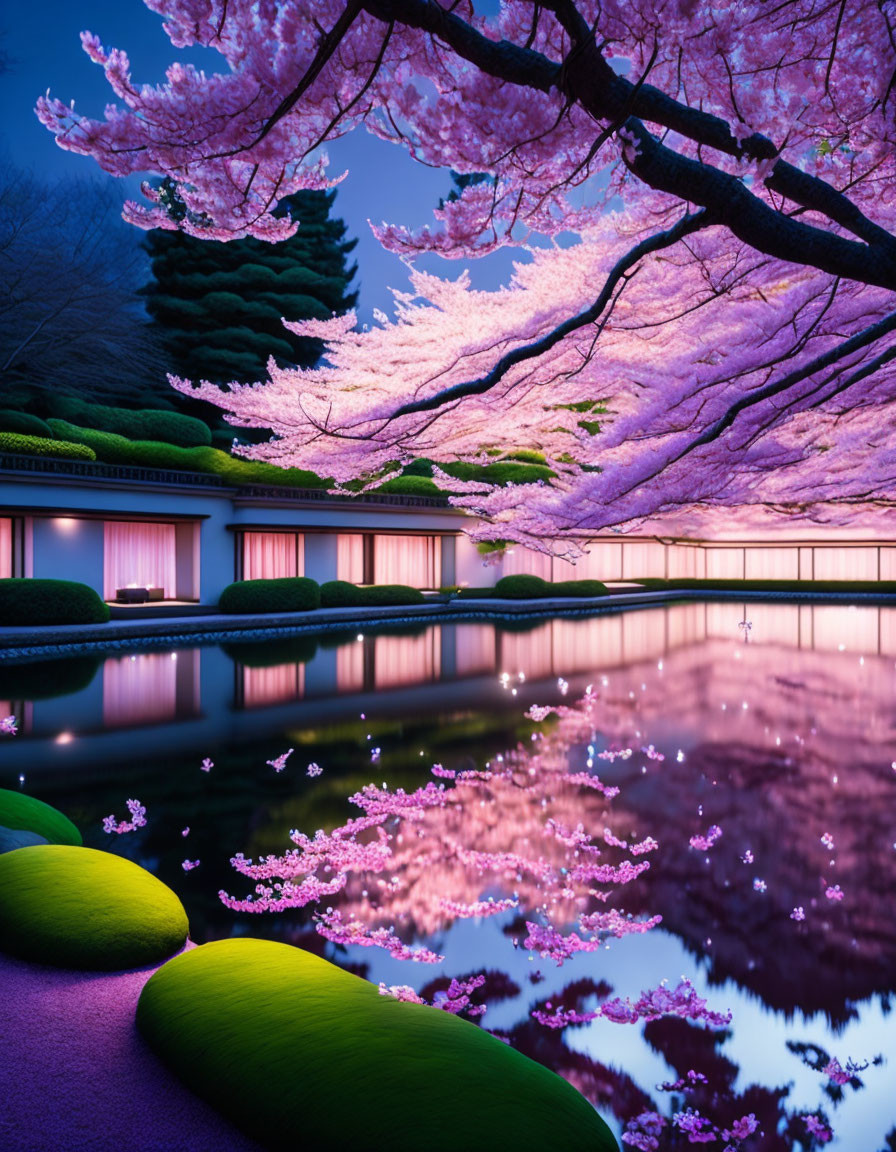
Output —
<point x="218" y="306"/>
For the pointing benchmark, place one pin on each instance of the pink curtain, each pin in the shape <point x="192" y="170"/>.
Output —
<point x="139" y="689"/>
<point x="137" y="553"/>
<point x="407" y="659"/>
<point x="475" y="646"/>
<point x="350" y="557"/>
<point x="413" y="560"/>
<point x="5" y="547"/>
<point x="350" y="667"/>
<point x="273" y="555"/>
<point x="273" y="685"/>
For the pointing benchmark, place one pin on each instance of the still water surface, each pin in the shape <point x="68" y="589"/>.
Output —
<point x="760" y="759"/>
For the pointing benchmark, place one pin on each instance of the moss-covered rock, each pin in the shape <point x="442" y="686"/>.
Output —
<point x="79" y="908"/>
<point x="21" y="813"/>
<point x="285" y="1043"/>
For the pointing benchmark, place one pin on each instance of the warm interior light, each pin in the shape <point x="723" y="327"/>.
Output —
<point x="65" y="523"/>
<point x="64" y="738"/>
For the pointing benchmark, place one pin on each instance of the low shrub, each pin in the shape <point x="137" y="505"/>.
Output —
<point x="37" y="601"/>
<point x="24" y="423"/>
<point x="411" y="485"/>
<point x="501" y="472"/>
<point x="887" y="587"/>
<point x="419" y="467"/>
<point x="385" y="595"/>
<point x="526" y="456"/>
<point x="521" y="587"/>
<point x="114" y="449"/>
<point x="577" y="588"/>
<point x="287" y="594"/>
<point x="41" y="446"/>
<point x="475" y="593"/>
<point x="137" y="424"/>
<point x="341" y="594"/>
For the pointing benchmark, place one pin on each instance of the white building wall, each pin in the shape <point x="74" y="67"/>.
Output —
<point x="68" y="548"/>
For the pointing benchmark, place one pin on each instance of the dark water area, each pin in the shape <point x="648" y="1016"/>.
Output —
<point x="754" y="753"/>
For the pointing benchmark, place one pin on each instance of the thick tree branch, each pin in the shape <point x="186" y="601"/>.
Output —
<point x="587" y="77"/>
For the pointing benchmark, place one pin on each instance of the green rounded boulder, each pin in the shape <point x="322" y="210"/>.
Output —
<point x="79" y="908"/>
<point x="25" y="814"/>
<point x="298" y="1052"/>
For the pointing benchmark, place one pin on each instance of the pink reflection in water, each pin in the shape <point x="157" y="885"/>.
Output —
<point x="767" y="727"/>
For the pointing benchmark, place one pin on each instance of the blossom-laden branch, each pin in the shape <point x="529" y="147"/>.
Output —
<point x="743" y="368"/>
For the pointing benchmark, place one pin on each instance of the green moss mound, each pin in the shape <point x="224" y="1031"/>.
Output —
<point x="37" y="601"/>
<point x="26" y="813"/>
<point x="79" y="908"/>
<point x="293" y="1049"/>
<point x="287" y="594"/>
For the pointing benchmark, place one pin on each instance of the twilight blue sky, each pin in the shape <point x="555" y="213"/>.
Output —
<point x="41" y="41"/>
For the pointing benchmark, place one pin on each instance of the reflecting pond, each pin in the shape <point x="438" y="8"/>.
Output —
<point x="611" y="832"/>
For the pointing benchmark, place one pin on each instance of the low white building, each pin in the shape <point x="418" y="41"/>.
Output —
<point x="190" y="535"/>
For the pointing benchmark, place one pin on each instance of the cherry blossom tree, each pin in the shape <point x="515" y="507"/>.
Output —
<point x="699" y="330"/>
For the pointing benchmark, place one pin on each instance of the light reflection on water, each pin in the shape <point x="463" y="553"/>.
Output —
<point x="787" y="732"/>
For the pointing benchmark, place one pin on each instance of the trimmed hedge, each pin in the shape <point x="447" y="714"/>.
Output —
<point x="341" y="594"/>
<point x="40" y="446"/>
<point x="284" y="1042"/>
<point x="886" y="587"/>
<point x="501" y="472"/>
<point x="137" y="424"/>
<point x="411" y="485"/>
<point x="79" y="908"/>
<point x="287" y="594"/>
<point x="24" y="423"/>
<point x="114" y="449"/>
<point x="577" y="588"/>
<point x="523" y="586"/>
<point x="37" y="601"/>
<point x="472" y="593"/>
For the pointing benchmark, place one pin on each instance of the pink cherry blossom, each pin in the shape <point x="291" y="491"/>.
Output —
<point x="708" y="347"/>
<point x="137" y="820"/>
